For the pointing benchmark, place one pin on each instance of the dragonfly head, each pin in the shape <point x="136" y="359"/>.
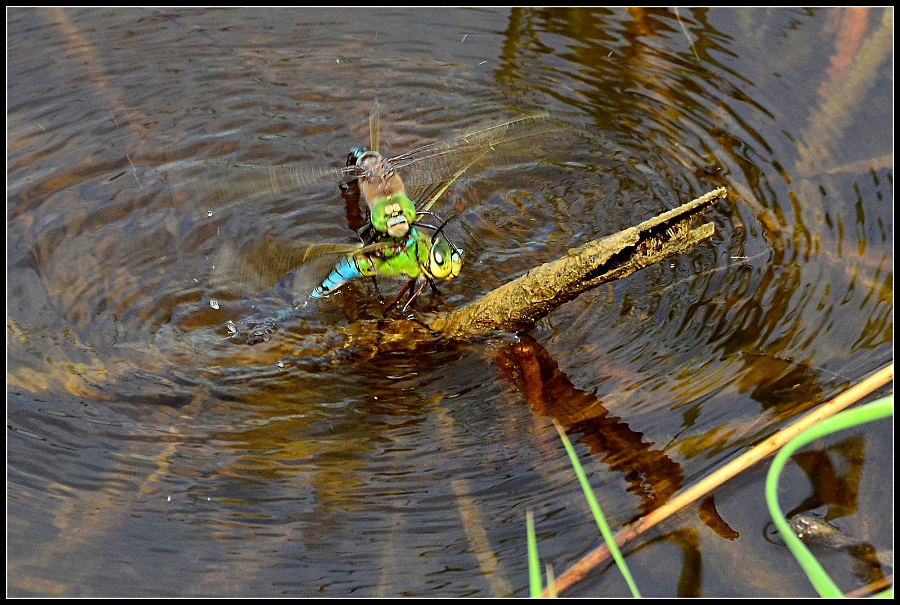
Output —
<point x="393" y="215"/>
<point x="444" y="259"/>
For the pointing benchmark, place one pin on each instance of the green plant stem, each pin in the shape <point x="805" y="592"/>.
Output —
<point x="534" y="563"/>
<point x="598" y="514"/>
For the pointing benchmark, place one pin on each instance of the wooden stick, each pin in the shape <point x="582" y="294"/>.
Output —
<point x="516" y="305"/>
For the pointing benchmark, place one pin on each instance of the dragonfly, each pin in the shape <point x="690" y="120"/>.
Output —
<point x="394" y="242"/>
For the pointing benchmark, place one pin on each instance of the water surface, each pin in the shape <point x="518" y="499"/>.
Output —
<point x="149" y="454"/>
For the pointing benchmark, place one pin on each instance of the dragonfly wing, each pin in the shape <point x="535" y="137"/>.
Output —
<point x="503" y="143"/>
<point x="287" y="179"/>
<point x="260" y="265"/>
<point x="433" y="194"/>
<point x="212" y="184"/>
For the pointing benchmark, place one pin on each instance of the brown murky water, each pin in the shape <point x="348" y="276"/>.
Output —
<point x="151" y="455"/>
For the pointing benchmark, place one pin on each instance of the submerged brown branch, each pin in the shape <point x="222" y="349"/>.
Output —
<point x="515" y="306"/>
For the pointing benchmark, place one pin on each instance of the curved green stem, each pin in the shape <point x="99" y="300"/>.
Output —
<point x="821" y="581"/>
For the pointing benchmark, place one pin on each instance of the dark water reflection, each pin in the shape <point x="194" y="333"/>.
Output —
<point x="151" y="455"/>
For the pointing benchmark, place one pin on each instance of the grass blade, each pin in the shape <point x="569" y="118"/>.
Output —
<point x="534" y="564"/>
<point x="598" y="514"/>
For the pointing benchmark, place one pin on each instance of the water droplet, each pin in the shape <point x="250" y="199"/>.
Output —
<point x="213" y="303"/>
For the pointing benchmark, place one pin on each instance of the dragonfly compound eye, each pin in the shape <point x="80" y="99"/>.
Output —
<point x="444" y="262"/>
<point x="355" y="154"/>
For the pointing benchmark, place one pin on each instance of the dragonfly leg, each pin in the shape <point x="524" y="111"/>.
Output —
<point x="403" y="291"/>
<point x="377" y="290"/>
<point x="433" y="285"/>
<point x="414" y="295"/>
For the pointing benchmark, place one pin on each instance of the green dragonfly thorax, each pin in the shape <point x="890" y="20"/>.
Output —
<point x="417" y="255"/>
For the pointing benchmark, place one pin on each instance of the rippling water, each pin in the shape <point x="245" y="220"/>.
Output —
<point x="149" y="454"/>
